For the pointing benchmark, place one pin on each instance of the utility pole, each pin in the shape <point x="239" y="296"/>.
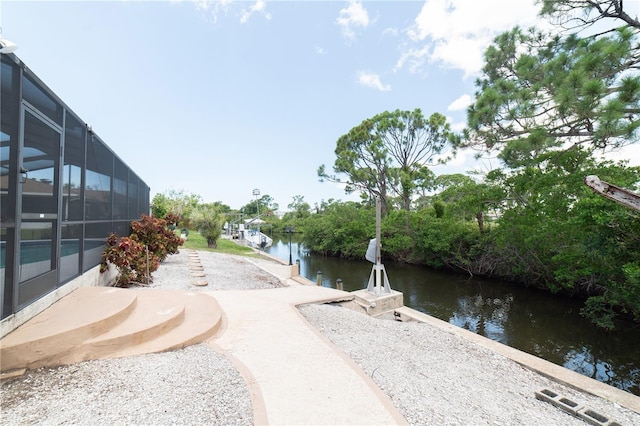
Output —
<point x="378" y="281"/>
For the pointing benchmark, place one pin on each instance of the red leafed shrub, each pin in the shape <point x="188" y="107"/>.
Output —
<point x="140" y="254"/>
<point x="155" y="234"/>
<point x="130" y="257"/>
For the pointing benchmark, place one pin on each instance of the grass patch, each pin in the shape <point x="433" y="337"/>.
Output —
<point x="196" y="241"/>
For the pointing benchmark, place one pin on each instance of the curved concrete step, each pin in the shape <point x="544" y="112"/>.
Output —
<point x="85" y="313"/>
<point x="203" y="318"/>
<point x="162" y="320"/>
<point x="157" y="312"/>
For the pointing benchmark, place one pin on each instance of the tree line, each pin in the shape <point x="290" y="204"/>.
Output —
<point x="548" y="105"/>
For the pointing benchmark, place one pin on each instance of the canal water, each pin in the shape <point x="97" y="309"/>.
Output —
<point x="531" y="320"/>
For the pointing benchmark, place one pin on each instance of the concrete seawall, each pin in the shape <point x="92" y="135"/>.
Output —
<point x="548" y="369"/>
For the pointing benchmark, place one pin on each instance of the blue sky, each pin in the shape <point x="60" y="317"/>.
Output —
<point x="219" y="98"/>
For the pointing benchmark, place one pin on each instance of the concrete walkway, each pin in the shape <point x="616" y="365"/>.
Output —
<point x="295" y="375"/>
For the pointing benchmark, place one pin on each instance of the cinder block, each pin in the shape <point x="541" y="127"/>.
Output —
<point x="559" y="401"/>
<point x="569" y="405"/>
<point x="546" y="395"/>
<point x="585" y="413"/>
<point x="593" y="417"/>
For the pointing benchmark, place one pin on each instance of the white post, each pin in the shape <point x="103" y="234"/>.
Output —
<point x="378" y="281"/>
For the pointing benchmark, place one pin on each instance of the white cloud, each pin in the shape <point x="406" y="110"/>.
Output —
<point x="214" y="8"/>
<point x="457" y="126"/>
<point x="461" y="103"/>
<point x="372" y="80"/>
<point x="413" y="57"/>
<point x="354" y="15"/>
<point x="457" y="32"/>
<point x="393" y="32"/>
<point x="320" y="50"/>
<point x="260" y="6"/>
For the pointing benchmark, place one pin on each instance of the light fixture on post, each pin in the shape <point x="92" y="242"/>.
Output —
<point x="290" y="230"/>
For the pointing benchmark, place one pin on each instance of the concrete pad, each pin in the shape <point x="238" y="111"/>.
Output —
<point x="302" y="377"/>
<point x="378" y="305"/>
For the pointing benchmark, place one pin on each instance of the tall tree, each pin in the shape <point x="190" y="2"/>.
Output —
<point x="264" y="205"/>
<point x="180" y="203"/>
<point x="463" y="195"/>
<point x="385" y="155"/>
<point x="208" y="222"/>
<point x="541" y="92"/>
<point x="299" y="207"/>
<point x="579" y="14"/>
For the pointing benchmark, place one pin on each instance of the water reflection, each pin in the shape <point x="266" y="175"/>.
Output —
<point x="527" y="319"/>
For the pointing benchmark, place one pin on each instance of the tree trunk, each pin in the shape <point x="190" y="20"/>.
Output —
<point x="480" y="218"/>
<point x="212" y="242"/>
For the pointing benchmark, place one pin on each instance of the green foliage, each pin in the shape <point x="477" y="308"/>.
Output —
<point x="620" y="296"/>
<point x="198" y="242"/>
<point x="299" y="209"/>
<point x="388" y="155"/>
<point x="343" y="230"/>
<point x="541" y="92"/>
<point x="207" y="221"/>
<point x="264" y="205"/>
<point x="179" y="203"/>
<point x="398" y="243"/>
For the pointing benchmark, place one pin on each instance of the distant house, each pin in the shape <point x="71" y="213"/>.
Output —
<point x="62" y="191"/>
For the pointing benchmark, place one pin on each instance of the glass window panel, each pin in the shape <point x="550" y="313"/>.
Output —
<point x="98" y="181"/>
<point x="40" y="158"/>
<point x="8" y="136"/>
<point x="5" y="151"/>
<point x="70" y="251"/>
<point x="72" y="207"/>
<point x="37" y="97"/>
<point x="36" y="247"/>
<point x="97" y="196"/>
<point x="122" y="228"/>
<point x="8" y="146"/>
<point x="94" y="243"/>
<point x="72" y="193"/>
<point x="6" y="77"/>
<point x="120" y="190"/>
<point x="133" y="197"/>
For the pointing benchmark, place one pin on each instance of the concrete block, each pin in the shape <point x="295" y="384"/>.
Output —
<point x="559" y="401"/>
<point x="378" y="305"/>
<point x="547" y="395"/>
<point x="593" y="417"/>
<point x="568" y="405"/>
<point x="585" y="413"/>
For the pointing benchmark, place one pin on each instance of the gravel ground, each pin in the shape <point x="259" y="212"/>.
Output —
<point x="436" y="377"/>
<point x="191" y="386"/>
<point x="194" y="385"/>
<point x="431" y="375"/>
